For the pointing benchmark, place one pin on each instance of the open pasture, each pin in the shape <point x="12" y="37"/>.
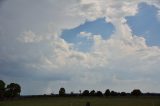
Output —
<point x="81" y="101"/>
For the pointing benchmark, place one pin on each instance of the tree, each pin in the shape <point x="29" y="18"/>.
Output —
<point x="62" y="92"/>
<point x="72" y="93"/>
<point x="85" y="93"/>
<point x="13" y="90"/>
<point x="99" y="93"/>
<point x="136" y="92"/>
<point x="123" y="94"/>
<point x="113" y="93"/>
<point x="107" y="92"/>
<point x="2" y="89"/>
<point x="79" y="92"/>
<point x="92" y="93"/>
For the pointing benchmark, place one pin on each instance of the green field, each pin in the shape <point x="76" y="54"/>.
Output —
<point x="80" y="101"/>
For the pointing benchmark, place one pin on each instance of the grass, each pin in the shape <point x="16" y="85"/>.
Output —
<point x="80" y="101"/>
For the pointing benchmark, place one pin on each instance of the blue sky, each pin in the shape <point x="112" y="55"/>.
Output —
<point x="87" y="44"/>
<point x="96" y="27"/>
<point x="146" y="24"/>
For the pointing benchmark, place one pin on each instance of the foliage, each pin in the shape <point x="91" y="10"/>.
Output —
<point x="92" y="93"/>
<point x="123" y="93"/>
<point x="62" y="91"/>
<point x="113" y="93"/>
<point x="2" y="85"/>
<point x="107" y="92"/>
<point x="2" y="89"/>
<point x="136" y="92"/>
<point x="85" y="93"/>
<point x="99" y="93"/>
<point x="12" y="90"/>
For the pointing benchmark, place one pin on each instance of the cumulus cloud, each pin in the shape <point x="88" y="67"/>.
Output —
<point x="37" y="54"/>
<point x="90" y="36"/>
<point x="29" y="37"/>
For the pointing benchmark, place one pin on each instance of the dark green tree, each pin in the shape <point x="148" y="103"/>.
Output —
<point x="62" y="92"/>
<point x="92" y="93"/>
<point x="113" y="93"/>
<point x="136" y="92"/>
<point x="12" y="90"/>
<point x="99" y="93"/>
<point x="123" y="94"/>
<point x="2" y="89"/>
<point x="107" y="92"/>
<point x="85" y="93"/>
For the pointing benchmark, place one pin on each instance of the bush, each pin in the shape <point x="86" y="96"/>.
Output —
<point x="136" y="92"/>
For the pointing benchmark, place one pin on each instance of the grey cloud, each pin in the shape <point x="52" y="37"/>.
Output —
<point x="19" y="69"/>
<point x="53" y="63"/>
<point x="1" y="2"/>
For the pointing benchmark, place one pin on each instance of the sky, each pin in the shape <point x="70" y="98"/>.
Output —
<point x="80" y="44"/>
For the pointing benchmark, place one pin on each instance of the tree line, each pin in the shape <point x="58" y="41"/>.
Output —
<point x="107" y="93"/>
<point x="135" y="92"/>
<point x="9" y="91"/>
<point x="13" y="90"/>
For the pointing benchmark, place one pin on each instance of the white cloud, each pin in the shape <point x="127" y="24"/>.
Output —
<point x="85" y="34"/>
<point x="29" y="37"/>
<point x="90" y="36"/>
<point x="50" y="57"/>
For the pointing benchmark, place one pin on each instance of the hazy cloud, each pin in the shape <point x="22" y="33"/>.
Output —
<point x="32" y="50"/>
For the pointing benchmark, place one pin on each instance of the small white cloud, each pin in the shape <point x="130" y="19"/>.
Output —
<point x="90" y="36"/>
<point x="85" y="34"/>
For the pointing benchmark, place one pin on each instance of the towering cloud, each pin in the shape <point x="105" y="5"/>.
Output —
<point x="32" y="51"/>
